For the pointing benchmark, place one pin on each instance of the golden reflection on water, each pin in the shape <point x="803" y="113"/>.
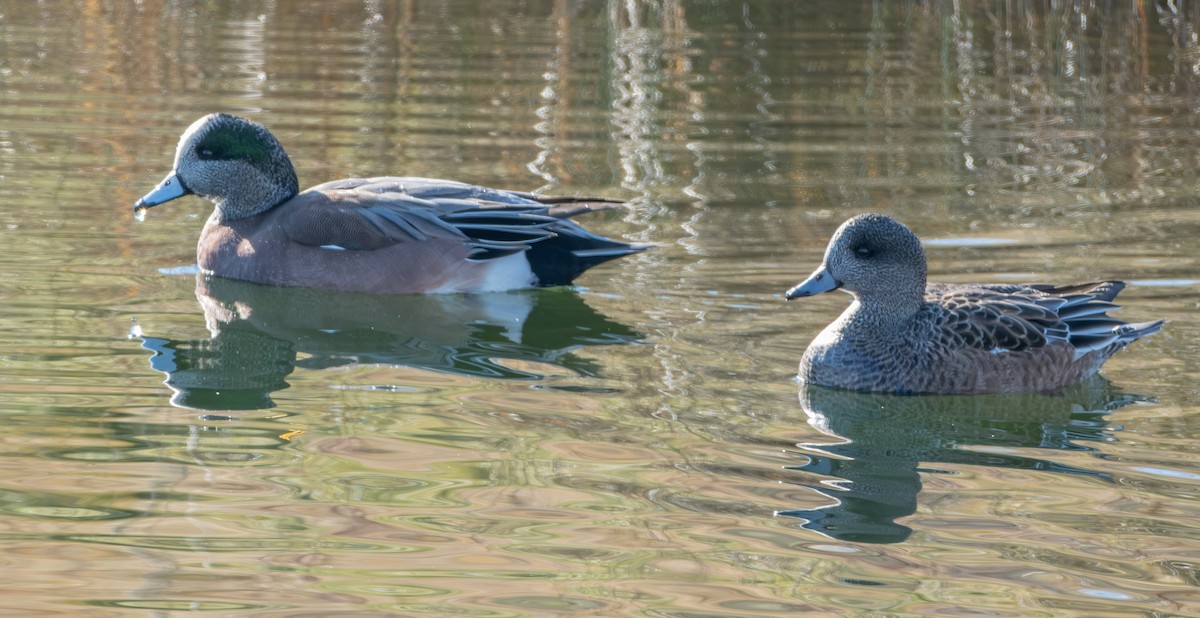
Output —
<point x="623" y="448"/>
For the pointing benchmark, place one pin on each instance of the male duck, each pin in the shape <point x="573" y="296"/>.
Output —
<point x="903" y="336"/>
<point x="385" y="235"/>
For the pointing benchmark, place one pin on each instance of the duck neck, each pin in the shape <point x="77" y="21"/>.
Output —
<point x="885" y="315"/>
<point x="250" y="202"/>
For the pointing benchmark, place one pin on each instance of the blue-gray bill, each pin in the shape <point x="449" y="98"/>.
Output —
<point x="170" y="188"/>
<point x="817" y="283"/>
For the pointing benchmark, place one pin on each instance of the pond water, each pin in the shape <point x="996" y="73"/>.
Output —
<point x="635" y="445"/>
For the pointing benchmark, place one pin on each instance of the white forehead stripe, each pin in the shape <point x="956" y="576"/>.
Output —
<point x="188" y="134"/>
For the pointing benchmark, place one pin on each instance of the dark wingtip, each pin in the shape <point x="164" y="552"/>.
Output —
<point x="561" y="260"/>
<point x="566" y="208"/>
<point x="578" y="200"/>
<point x="1132" y="332"/>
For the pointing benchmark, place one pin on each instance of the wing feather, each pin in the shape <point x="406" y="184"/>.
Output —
<point x="363" y="214"/>
<point x="1009" y="317"/>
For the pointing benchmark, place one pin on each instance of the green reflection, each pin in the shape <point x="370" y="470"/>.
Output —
<point x="179" y="605"/>
<point x="38" y="503"/>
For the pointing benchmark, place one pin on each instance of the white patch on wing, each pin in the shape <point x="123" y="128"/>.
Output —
<point x="998" y="350"/>
<point x="333" y="247"/>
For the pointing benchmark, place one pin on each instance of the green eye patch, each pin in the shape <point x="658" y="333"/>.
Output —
<point x="233" y="142"/>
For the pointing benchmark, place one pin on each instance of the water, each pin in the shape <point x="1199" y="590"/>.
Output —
<point x="634" y="446"/>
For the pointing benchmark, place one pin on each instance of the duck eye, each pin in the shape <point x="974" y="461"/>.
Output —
<point x="863" y="251"/>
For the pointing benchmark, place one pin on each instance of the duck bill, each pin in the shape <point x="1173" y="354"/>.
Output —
<point x="817" y="283"/>
<point x="170" y="188"/>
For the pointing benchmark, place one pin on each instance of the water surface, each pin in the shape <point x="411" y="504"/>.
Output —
<point x="635" y="445"/>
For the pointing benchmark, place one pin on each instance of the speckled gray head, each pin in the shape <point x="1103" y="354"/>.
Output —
<point x="233" y="162"/>
<point x="870" y="256"/>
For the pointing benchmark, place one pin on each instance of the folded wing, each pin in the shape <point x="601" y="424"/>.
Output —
<point x="1007" y="317"/>
<point x="365" y="214"/>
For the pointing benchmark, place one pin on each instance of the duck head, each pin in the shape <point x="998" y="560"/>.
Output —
<point x="872" y="257"/>
<point x="233" y="162"/>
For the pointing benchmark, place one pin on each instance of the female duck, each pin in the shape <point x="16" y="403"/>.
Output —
<point x="394" y="235"/>
<point x="903" y="336"/>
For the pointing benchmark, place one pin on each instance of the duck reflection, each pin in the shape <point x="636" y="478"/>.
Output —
<point x="889" y="440"/>
<point x="260" y="334"/>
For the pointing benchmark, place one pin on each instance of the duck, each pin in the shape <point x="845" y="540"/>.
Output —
<point x="387" y="234"/>
<point x="903" y="335"/>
